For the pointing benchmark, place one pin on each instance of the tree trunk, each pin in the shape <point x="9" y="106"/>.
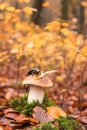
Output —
<point x="36" y="15"/>
<point x="80" y="16"/>
<point x="64" y="9"/>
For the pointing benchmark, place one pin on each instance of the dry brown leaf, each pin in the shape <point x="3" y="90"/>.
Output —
<point x="84" y="113"/>
<point x="9" y="110"/>
<point x="1" y="128"/>
<point x="10" y="94"/>
<point x="2" y="108"/>
<point x="40" y="115"/>
<point x="82" y="119"/>
<point x="7" y="128"/>
<point x="23" y="119"/>
<point x="18" y="118"/>
<point x="11" y="115"/>
<point x="55" y="112"/>
<point x="1" y="113"/>
<point x="84" y="105"/>
<point x="5" y="121"/>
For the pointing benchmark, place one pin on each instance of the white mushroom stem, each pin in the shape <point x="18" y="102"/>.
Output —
<point x="36" y="93"/>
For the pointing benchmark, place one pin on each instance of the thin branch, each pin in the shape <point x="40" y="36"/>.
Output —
<point x="81" y="85"/>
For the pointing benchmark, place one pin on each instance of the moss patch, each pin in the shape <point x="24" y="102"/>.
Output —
<point x="47" y="126"/>
<point x="21" y="105"/>
<point x="67" y="123"/>
<point x="62" y="123"/>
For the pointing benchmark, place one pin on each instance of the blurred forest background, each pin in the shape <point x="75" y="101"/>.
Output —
<point x="47" y="34"/>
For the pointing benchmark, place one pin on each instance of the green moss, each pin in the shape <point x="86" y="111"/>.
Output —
<point x="21" y="105"/>
<point x="47" y="102"/>
<point x="47" y="126"/>
<point x="62" y="123"/>
<point x="67" y="123"/>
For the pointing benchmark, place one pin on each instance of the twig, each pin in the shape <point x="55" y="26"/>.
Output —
<point x="18" y="64"/>
<point x="74" y="60"/>
<point x="81" y="85"/>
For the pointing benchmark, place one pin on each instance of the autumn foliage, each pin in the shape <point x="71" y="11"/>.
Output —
<point x="24" y="45"/>
<point x="54" y="46"/>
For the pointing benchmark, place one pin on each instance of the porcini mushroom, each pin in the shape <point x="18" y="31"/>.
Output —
<point x="38" y="82"/>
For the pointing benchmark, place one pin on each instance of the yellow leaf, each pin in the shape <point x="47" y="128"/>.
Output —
<point x="23" y="67"/>
<point x="8" y="17"/>
<point x="10" y="8"/>
<point x="1" y="60"/>
<point x="20" y="1"/>
<point x="3" y="53"/>
<point x="14" y="51"/>
<point x="30" y="45"/>
<point x="1" y="16"/>
<point x="46" y="4"/>
<point x="65" y="24"/>
<point x="65" y="31"/>
<point x="4" y="58"/>
<point x="27" y="10"/>
<point x="55" y="112"/>
<point x="26" y="1"/>
<point x="63" y="91"/>
<point x="17" y="11"/>
<point x="53" y="26"/>
<point x="3" y="6"/>
<point x="15" y="18"/>
<point x="84" y="3"/>
<point x="60" y="78"/>
<point x="18" y="25"/>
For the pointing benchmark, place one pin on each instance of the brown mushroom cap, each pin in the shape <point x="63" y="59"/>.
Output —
<point x="42" y="82"/>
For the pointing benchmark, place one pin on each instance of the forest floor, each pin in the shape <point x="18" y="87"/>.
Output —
<point x="73" y="100"/>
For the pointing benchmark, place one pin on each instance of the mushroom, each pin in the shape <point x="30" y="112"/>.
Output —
<point x="38" y="83"/>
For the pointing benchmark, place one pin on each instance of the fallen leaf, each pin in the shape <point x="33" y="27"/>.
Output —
<point x="18" y="118"/>
<point x="10" y="8"/>
<point x="11" y="115"/>
<point x="1" y="128"/>
<point x="82" y="119"/>
<point x="20" y="1"/>
<point x="23" y="67"/>
<point x="84" y="105"/>
<point x="40" y="115"/>
<point x="17" y="11"/>
<point x="7" y="128"/>
<point x="3" y="5"/>
<point x="5" y="121"/>
<point x="26" y="1"/>
<point x="23" y="119"/>
<point x="27" y="10"/>
<point x="10" y="94"/>
<point x="9" y="110"/>
<point x="55" y="112"/>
